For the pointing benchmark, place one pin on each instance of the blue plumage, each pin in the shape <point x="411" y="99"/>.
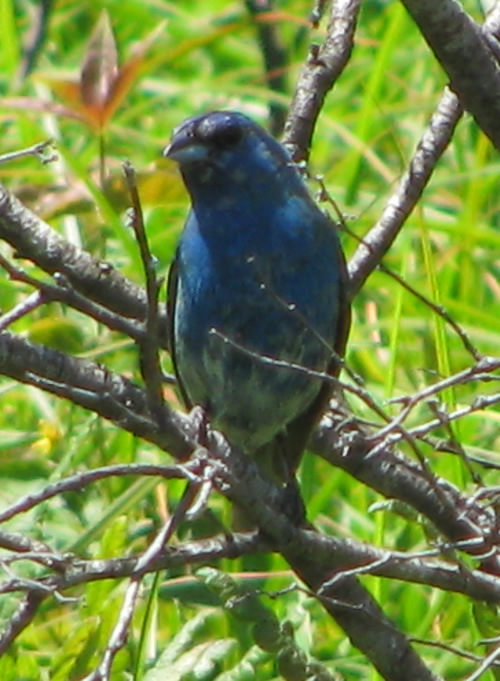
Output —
<point x="259" y="272"/>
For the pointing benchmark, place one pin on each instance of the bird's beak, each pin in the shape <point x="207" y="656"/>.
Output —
<point x="185" y="149"/>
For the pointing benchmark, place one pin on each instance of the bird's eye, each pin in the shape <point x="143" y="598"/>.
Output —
<point x="226" y="136"/>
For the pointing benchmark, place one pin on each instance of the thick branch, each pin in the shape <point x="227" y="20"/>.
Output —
<point x="354" y="557"/>
<point x="347" y="601"/>
<point x="92" y="386"/>
<point x="34" y="240"/>
<point x="321" y="70"/>
<point x="458" y="44"/>
<point x="454" y="514"/>
<point x="342" y="442"/>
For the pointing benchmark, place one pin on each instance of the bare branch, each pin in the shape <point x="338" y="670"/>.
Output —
<point x="21" y="619"/>
<point x="459" y="46"/>
<point x="349" y="604"/>
<point x="346" y="444"/>
<point x="93" y="387"/>
<point x="445" y="21"/>
<point x="418" y="568"/>
<point x="150" y="361"/>
<point x="432" y="145"/>
<point x="488" y="662"/>
<point x="32" y="302"/>
<point x="119" y="634"/>
<point x="41" y="151"/>
<point x="64" y="293"/>
<point x="34" y="240"/>
<point x="81" y="480"/>
<point x="322" y="68"/>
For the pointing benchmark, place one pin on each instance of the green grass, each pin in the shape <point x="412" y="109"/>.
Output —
<point x="206" y="58"/>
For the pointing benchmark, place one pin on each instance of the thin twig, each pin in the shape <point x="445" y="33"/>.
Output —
<point x="81" y="480"/>
<point x="32" y="302"/>
<point x="450" y="649"/>
<point x="488" y="662"/>
<point x="437" y="309"/>
<point x="120" y="632"/>
<point x="40" y="151"/>
<point x="63" y="292"/>
<point x="22" y="618"/>
<point x="119" y="635"/>
<point x="481" y="371"/>
<point x="150" y="361"/>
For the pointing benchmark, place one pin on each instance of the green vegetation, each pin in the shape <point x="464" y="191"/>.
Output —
<point x="192" y="57"/>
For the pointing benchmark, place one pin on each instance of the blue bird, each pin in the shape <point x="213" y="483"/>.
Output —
<point x="258" y="283"/>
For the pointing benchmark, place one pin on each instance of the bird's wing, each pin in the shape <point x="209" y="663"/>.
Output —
<point x="344" y="316"/>
<point x="172" y="286"/>
<point x="298" y="431"/>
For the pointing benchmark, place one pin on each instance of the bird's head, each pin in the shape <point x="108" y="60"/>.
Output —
<point x="226" y="148"/>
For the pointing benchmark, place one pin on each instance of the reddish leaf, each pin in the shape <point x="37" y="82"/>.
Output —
<point x="99" y="70"/>
<point x="129" y="71"/>
<point x="103" y="83"/>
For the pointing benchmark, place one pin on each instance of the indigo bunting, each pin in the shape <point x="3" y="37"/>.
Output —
<point x="258" y="284"/>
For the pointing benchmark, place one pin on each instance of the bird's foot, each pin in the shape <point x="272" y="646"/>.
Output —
<point x="199" y="419"/>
